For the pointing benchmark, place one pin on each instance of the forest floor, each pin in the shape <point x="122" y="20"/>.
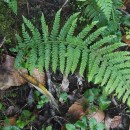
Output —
<point x="25" y="107"/>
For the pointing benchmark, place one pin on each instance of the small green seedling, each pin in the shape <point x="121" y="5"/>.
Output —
<point x="40" y="99"/>
<point x="63" y="97"/>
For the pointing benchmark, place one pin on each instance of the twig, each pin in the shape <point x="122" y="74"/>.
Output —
<point x="124" y="12"/>
<point x="114" y="101"/>
<point x="3" y="41"/>
<point x="65" y="3"/>
<point x="28" y="7"/>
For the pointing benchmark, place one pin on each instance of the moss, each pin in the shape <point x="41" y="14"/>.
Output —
<point x="7" y="21"/>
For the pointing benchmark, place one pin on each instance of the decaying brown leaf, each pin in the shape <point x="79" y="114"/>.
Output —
<point x="98" y="115"/>
<point x="65" y="84"/>
<point x="12" y="121"/>
<point x="76" y="111"/>
<point x="115" y="121"/>
<point x="112" y="122"/>
<point x="8" y="75"/>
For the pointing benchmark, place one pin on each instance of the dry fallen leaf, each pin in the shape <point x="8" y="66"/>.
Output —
<point x="112" y="122"/>
<point x="12" y="121"/>
<point x="116" y="121"/>
<point x="65" y="84"/>
<point x="98" y="115"/>
<point x="8" y="75"/>
<point x="75" y="112"/>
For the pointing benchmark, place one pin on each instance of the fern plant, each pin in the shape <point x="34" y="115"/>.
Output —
<point x="96" y="9"/>
<point x="105" y="11"/>
<point x="95" y="57"/>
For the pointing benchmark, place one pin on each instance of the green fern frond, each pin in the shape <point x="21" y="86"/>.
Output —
<point x="115" y="84"/>
<point x="94" y="35"/>
<point x="106" y="75"/>
<point x="55" y="51"/>
<point x="101" y="72"/>
<point x="92" y="10"/>
<point x="126" y="96"/>
<point x="84" y="61"/>
<point x="88" y="52"/>
<point x="46" y="47"/>
<point x="20" y="42"/>
<point x="93" y="69"/>
<point x="19" y="59"/>
<point x="122" y="91"/>
<point x="26" y="37"/>
<point x="69" y="61"/>
<point x="62" y="56"/>
<point x="86" y="30"/>
<point x="36" y="44"/>
<point x="119" y="87"/>
<point x="91" y="60"/>
<point x="124" y="71"/>
<point x="108" y="49"/>
<point x="53" y="37"/>
<point x="12" y="5"/>
<point x="123" y="65"/>
<point x="56" y="25"/>
<point x="47" y="56"/>
<point x="32" y="59"/>
<point x="72" y="29"/>
<point x="36" y="36"/>
<point x="101" y="42"/>
<point x="41" y="59"/>
<point x="65" y="29"/>
<point x="95" y="9"/>
<point x="117" y="54"/>
<point x="29" y="24"/>
<point x="105" y="11"/>
<point x="75" y="59"/>
<point x="106" y="7"/>
<point x="111" y="80"/>
<point x="35" y="33"/>
<point x="44" y="29"/>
